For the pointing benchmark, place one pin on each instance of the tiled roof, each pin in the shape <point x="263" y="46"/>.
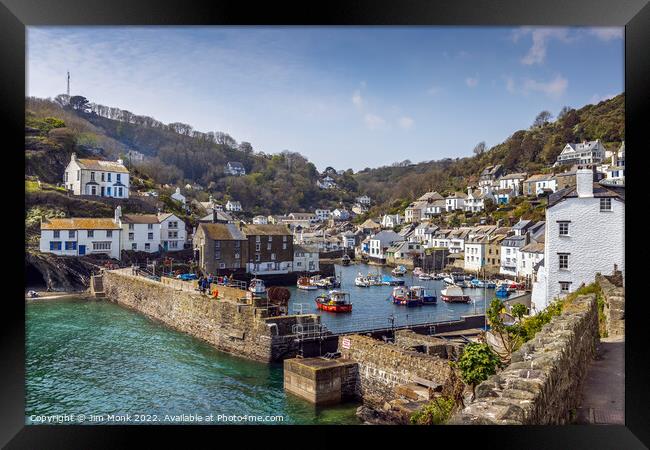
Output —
<point x="533" y="247"/>
<point x="82" y="223"/>
<point x="140" y="218"/>
<point x="98" y="164"/>
<point x="539" y="177"/>
<point x="514" y="176"/>
<point x="266" y="230"/>
<point x="222" y="231"/>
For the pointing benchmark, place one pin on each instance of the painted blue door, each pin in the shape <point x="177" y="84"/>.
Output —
<point x="82" y="249"/>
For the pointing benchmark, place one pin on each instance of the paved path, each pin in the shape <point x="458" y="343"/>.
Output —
<point x="603" y="395"/>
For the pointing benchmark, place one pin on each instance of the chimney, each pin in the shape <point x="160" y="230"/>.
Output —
<point x="120" y="161"/>
<point x="469" y="190"/>
<point x="73" y="157"/>
<point x="118" y="213"/>
<point x="585" y="183"/>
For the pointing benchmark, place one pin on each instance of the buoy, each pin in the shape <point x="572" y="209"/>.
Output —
<point x="215" y="293"/>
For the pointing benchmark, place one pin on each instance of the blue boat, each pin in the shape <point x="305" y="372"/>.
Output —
<point x="423" y="295"/>
<point x="391" y="281"/>
<point x="502" y="291"/>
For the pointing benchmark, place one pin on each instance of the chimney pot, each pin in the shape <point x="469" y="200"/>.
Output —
<point x="585" y="183"/>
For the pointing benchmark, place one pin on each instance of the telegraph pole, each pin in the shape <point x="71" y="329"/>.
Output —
<point x="68" y="84"/>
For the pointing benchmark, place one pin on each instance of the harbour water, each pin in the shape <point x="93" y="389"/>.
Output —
<point x="96" y="358"/>
<point x="371" y="307"/>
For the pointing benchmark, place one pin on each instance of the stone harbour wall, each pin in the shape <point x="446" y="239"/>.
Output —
<point x="542" y="384"/>
<point x="227" y="323"/>
<point x="383" y="366"/>
<point x="614" y="296"/>
<point x="428" y="344"/>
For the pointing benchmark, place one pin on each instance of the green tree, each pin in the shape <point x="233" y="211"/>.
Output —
<point x="477" y="363"/>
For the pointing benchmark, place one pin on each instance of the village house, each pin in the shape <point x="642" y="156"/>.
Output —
<point x="415" y="211"/>
<point x="511" y="246"/>
<point x="363" y="200"/>
<point x="235" y="168"/>
<point x="615" y="172"/>
<point x="322" y="214"/>
<point x="369" y="226"/>
<point x="305" y="258"/>
<point x="475" y="200"/>
<point x="513" y="181"/>
<point x="403" y="252"/>
<point x="173" y="234"/>
<point x="531" y="255"/>
<point x="475" y="253"/>
<point x="539" y="184"/>
<point x="140" y="232"/>
<point x="379" y="243"/>
<point x="592" y="152"/>
<point x="233" y="206"/>
<point x="348" y="240"/>
<point x="97" y="177"/>
<point x="178" y="196"/>
<point x="260" y="220"/>
<point x="359" y="209"/>
<point x="326" y="183"/>
<point x="308" y="218"/>
<point x="455" y="201"/>
<point x="269" y="249"/>
<point x="217" y="216"/>
<point x="565" y="179"/>
<point x="435" y="208"/>
<point x="424" y="234"/>
<point x="585" y="232"/>
<point x="81" y="236"/>
<point x="503" y="196"/>
<point x="391" y="220"/>
<point x="220" y="248"/>
<point x="488" y="178"/>
<point x="430" y="196"/>
<point x="340" y="214"/>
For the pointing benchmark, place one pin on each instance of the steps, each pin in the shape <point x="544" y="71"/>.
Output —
<point x="97" y="286"/>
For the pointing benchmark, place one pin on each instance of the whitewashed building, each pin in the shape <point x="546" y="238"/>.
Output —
<point x="475" y="253"/>
<point x="513" y="181"/>
<point x="96" y="177"/>
<point x="172" y="232"/>
<point x="530" y="255"/>
<point x="340" y="214"/>
<point x="391" y="220"/>
<point x="475" y="200"/>
<point x="235" y="168"/>
<point x="305" y="258"/>
<point x="260" y="220"/>
<point x="233" y="206"/>
<point x="326" y="183"/>
<point x="585" y="232"/>
<point x="322" y="214"/>
<point x="363" y="200"/>
<point x="591" y="152"/>
<point x="435" y="208"/>
<point x="81" y="236"/>
<point x="140" y="232"/>
<point x="379" y="243"/>
<point x="178" y="196"/>
<point x="455" y="201"/>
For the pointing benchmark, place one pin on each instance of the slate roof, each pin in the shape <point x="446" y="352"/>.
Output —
<point x="533" y="247"/>
<point x="266" y="230"/>
<point x="101" y="165"/>
<point x="140" y="218"/>
<point x="222" y="231"/>
<point x="600" y="191"/>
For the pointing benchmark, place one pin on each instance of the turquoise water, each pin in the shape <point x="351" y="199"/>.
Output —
<point x="97" y="358"/>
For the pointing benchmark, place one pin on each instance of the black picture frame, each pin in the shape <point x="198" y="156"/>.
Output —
<point x="15" y="15"/>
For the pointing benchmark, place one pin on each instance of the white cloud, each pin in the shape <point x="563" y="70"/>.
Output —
<point x="540" y="37"/>
<point x="554" y="88"/>
<point x="607" y="33"/>
<point x="373" y="121"/>
<point x="406" y="122"/>
<point x="357" y="100"/>
<point x="471" y="82"/>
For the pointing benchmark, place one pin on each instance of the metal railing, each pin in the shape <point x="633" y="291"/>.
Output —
<point x="310" y="330"/>
<point x="391" y="322"/>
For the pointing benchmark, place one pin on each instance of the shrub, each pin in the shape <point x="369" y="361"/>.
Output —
<point x="477" y="363"/>
<point x="436" y="412"/>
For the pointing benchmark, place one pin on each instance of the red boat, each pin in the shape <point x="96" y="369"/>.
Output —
<point x="335" y="301"/>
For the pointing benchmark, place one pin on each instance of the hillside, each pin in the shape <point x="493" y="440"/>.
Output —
<point x="280" y="183"/>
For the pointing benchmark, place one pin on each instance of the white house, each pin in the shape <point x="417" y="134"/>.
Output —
<point x="510" y="254"/>
<point x="340" y="214"/>
<point x="455" y="201"/>
<point x="538" y="183"/>
<point x="424" y="234"/>
<point x="415" y="211"/>
<point x="326" y="183"/>
<point x="348" y="239"/>
<point x="615" y="172"/>
<point x="260" y="220"/>
<point x="585" y="232"/>
<point x="140" y="232"/>
<point x="379" y="243"/>
<point x="305" y="258"/>
<point x="172" y="232"/>
<point x="363" y="200"/>
<point x="235" y="168"/>
<point x="435" y="208"/>
<point x="530" y="255"/>
<point x="592" y="152"/>
<point x="233" y="206"/>
<point x="475" y="253"/>
<point x="475" y="200"/>
<point x="81" y="236"/>
<point x="391" y="220"/>
<point x="96" y="177"/>
<point x="178" y="196"/>
<point x="513" y="181"/>
<point x="322" y="214"/>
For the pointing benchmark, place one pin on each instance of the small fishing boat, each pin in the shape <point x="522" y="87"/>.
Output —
<point x="257" y="288"/>
<point x="422" y="294"/>
<point x="361" y="281"/>
<point x="454" y="294"/>
<point x="402" y="295"/>
<point x="327" y="282"/>
<point x="334" y="301"/>
<point x="417" y="271"/>
<point x="387" y="280"/>
<point x="476" y="283"/>
<point x="374" y="279"/>
<point x="345" y="261"/>
<point x="425" y="276"/>
<point x="449" y="281"/>
<point x="438" y="276"/>
<point x="399" y="271"/>
<point x="490" y="284"/>
<point x="306" y="284"/>
<point x="502" y="291"/>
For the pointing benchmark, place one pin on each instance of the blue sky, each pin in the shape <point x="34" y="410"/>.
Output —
<point x="349" y="97"/>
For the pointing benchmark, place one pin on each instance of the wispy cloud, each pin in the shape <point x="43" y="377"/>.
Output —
<point x="607" y="33"/>
<point x="540" y="37"/>
<point x="357" y="100"/>
<point x="554" y="88"/>
<point x="434" y="90"/>
<point x="373" y="121"/>
<point x="471" y="81"/>
<point x="406" y="122"/>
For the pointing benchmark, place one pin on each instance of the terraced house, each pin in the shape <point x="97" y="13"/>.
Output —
<point x="81" y="236"/>
<point x="220" y="248"/>
<point x="269" y="249"/>
<point x="97" y="177"/>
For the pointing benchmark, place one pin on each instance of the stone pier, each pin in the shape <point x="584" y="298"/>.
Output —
<point x="320" y="381"/>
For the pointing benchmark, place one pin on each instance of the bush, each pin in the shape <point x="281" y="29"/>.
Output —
<point x="477" y="363"/>
<point x="436" y="412"/>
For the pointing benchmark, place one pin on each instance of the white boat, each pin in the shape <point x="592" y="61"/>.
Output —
<point x="448" y="280"/>
<point x="454" y="294"/>
<point x="257" y="288"/>
<point x="399" y="271"/>
<point x="306" y="284"/>
<point x="361" y="281"/>
<point x="425" y="276"/>
<point x="417" y="271"/>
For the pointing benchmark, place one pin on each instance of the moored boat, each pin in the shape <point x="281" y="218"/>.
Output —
<point x="502" y="291"/>
<point x="345" y="261"/>
<point x="399" y="271"/>
<point x="422" y="294"/>
<point x="425" y="276"/>
<point x="387" y="280"/>
<point x="417" y="271"/>
<point x="402" y="295"/>
<point x="334" y="301"/>
<point x="306" y="284"/>
<point x="257" y="288"/>
<point x="361" y="281"/>
<point x="454" y="294"/>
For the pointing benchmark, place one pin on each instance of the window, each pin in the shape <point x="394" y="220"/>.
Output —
<point x="109" y="233"/>
<point x="172" y="234"/>
<point x="565" y="286"/>
<point x="272" y="256"/>
<point x="57" y="233"/>
<point x="103" y="174"/>
<point x="217" y="254"/>
<point x="237" y="244"/>
<point x="222" y="265"/>
<point x="55" y="245"/>
<point x="173" y="244"/>
<point x="93" y="190"/>
<point x="78" y="174"/>
<point x="150" y="226"/>
<point x="91" y="233"/>
<point x="70" y="245"/>
<point x="108" y="190"/>
<point x="268" y="246"/>
<point x="284" y="246"/>
<point x="71" y="234"/>
<point x="134" y="246"/>
<point x="131" y="236"/>
<point x="173" y="224"/>
<point x="109" y="176"/>
<point x="118" y="177"/>
<point x="257" y="247"/>
<point x="564" y="261"/>
<point x="217" y="244"/>
<point x="284" y="239"/>
<point x="605" y="204"/>
<point x="270" y="238"/>
<point x="147" y="246"/>
<point x="92" y="176"/>
<point x="102" y="245"/>
<point x="131" y="226"/>
<point x="564" y="228"/>
<point x="237" y="255"/>
<point x="150" y="236"/>
<point x="258" y="238"/>
<point x="66" y="177"/>
<point x="257" y="256"/>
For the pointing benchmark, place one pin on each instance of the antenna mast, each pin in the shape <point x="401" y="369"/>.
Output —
<point x="68" y="84"/>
